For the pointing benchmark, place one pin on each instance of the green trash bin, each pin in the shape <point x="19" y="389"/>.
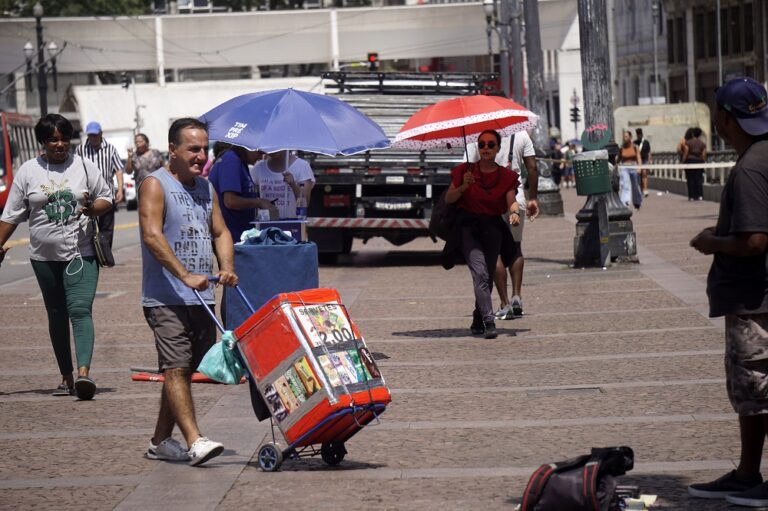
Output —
<point x="592" y="173"/>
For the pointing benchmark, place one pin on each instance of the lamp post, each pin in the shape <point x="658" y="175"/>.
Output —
<point x="655" y="14"/>
<point x="42" y="85"/>
<point x="499" y="23"/>
<point x="489" y="8"/>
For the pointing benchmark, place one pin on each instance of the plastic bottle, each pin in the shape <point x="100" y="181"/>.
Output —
<point x="301" y="204"/>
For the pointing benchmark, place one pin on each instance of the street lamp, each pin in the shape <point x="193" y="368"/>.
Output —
<point x="498" y="22"/>
<point x="489" y="7"/>
<point x="42" y="85"/>
<point x="29" y="52"/>
<point x="53" y="52"/>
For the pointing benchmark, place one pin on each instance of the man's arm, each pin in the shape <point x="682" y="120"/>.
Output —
<point x="532" y="207"/>
<point x="6" y="231"/>
<point x="223" y="246"/>
<point x="151" y="205"/>
<point x="745" y="244"/>
<point x="120" y="184"/>
<point x="233" y="200"/>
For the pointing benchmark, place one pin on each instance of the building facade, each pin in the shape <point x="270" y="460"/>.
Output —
<point x="696" y="57"/>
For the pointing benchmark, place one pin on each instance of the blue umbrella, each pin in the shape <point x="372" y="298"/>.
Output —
<point x="277" y="120"/>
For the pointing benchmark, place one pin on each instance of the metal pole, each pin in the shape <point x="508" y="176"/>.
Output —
<point x="535" y="61"/>
<point x="504" y="29"/>
<point x="334" y="40"/>
<point x="42" y="81"/>
<point x="488" y="30"/>
<point x="719" y="47"/>
<point x="516" y="51"/>
<point x="655" y="14"/>
<point x="595" y="78"/>
<point x="159" y="51"/>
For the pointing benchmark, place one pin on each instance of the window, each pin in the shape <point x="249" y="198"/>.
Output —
<point x="712" y="34"/>
<point x="698" y="35"/>
<point x="735" y="29"/>
<point x="670" y="42"/>
<point x="680" y="39"/>
<point x="749" y="34"/>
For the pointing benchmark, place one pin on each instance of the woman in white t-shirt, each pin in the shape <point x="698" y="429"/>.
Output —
<point x="282" y="177"/>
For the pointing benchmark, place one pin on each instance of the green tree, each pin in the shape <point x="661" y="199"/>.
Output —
<point x="54" y="8"/>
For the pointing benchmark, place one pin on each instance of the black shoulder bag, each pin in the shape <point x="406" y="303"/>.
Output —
<point x="443" y="216"/>
<point x="101" y="247"/>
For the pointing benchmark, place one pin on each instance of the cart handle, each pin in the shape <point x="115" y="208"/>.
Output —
<point x="208" y="309"/>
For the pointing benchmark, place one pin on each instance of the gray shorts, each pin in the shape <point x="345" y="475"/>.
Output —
<point x="746" y="362"/>
<point x="183" y="334"/>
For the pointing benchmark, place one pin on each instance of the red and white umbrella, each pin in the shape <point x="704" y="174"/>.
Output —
<point x="450" y="122"/>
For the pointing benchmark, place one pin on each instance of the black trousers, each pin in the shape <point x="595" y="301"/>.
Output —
<point x="694" y="178"/>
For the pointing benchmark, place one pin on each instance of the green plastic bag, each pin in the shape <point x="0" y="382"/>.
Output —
<point x="221" y="363"/>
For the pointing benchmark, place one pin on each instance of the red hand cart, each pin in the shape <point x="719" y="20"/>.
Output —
<point x="311" y="366"/>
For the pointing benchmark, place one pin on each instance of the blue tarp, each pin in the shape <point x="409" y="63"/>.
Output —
<point x="266" y="270"/>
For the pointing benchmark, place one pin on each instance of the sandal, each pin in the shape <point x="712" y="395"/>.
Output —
<point x="85" y="388"/>
<point x="63" y="390"/>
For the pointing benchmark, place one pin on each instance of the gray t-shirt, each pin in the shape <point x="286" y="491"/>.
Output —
<point x="50" y="197"/>
<point x="739" y="285"/>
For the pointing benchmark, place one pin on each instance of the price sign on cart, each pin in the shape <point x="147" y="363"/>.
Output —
<point x="326" y="324"/>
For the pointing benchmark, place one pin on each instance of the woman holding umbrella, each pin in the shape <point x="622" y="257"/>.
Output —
<point x="482" y="192"/>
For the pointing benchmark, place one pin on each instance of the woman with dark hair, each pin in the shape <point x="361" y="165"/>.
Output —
<point x="238" y="197"/>
<point x="629" y="158"/>
<point x="142" y="161"/>
<point x="58" y="193"/>
<point x="694" y="151"/>
<point x="482" y="192"/>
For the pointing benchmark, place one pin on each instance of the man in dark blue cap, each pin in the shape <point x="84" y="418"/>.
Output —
<point x="105" y="156"/>
<point x="737" y="285"/>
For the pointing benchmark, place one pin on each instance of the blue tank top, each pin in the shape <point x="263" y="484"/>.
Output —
<point x="187" y="227"/>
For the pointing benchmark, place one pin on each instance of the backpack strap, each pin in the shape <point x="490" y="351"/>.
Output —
<point x="536" y="485"/>
<point x="591" y="469"/>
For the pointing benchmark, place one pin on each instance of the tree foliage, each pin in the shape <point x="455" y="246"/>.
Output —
<point x="54" y="8"/>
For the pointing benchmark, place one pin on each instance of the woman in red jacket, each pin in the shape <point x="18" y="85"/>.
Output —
<point x="482" y="192"/>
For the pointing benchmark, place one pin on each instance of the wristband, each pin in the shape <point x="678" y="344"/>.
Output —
<point x="514" y="213"/>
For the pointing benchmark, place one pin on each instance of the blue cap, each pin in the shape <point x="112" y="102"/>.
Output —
<point x="745" y="99"/>
<point x="93" y="128"/>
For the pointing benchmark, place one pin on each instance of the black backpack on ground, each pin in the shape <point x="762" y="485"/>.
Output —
<point x="585" y="483"/>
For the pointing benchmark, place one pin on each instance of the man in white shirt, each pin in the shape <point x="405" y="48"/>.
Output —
<point x="523" y="153"/>
<point x="282" y="178"/>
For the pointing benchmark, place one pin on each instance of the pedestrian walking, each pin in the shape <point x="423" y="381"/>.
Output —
<point x="629" y="158"/>
<point x="522" y="152"/>
<point x="182" y="229"/>
<point x="645" y="157"/>
<point x="236" y="190"/>
<point x="105" y="156"/>
<point x="569" y="175"/>
<point x="142" y="160"/>
<point x="737" y="285"/>
<point x="482" y="192"/>
<point x="694" y="151"/>
<point x="58" y="193"/>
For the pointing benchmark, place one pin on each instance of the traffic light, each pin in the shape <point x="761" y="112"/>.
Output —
<point x="575" y="114"/>
<point x="373" y="61"/>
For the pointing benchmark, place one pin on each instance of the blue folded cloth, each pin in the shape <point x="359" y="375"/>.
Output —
<point x="268" y="236"/>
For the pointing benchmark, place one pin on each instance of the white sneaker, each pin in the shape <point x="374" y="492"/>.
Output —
<point x="517" y="306"/>
<point x="203" y="449"/>
<point x="169" y="450"/>
<point x="504" y="313"/>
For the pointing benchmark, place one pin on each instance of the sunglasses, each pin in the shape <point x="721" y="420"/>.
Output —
<point x="482" y="145"/>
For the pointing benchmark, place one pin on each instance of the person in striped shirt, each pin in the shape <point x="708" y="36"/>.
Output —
<point x="105" y="156"/>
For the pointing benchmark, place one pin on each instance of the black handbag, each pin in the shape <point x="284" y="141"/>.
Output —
<point x="443" y="216"/>
<point x="101" y="247"/>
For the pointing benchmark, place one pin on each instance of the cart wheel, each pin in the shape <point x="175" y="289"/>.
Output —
<point x="333" y="453"/>
<point x="270" y="457"/>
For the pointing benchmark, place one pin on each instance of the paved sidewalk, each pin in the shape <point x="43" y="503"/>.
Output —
<point x="620" y="356"/>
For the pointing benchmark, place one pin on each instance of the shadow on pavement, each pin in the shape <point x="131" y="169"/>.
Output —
<point x="316" y="464"/>
<point x="455" y="332"/>
<point x="566" y="262"/>
<point x="389" y="259"/>
<point x="48" y="392"/>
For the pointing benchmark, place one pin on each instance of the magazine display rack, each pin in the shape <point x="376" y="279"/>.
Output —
<point x="314" y="371"/>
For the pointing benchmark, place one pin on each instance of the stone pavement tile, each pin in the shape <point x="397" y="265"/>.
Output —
<point x="93" y="498"/>
<point x="636" y="401"/>
<point x="672" y="489"/>
<point x="73" y="457"/>
<point x="446" y="306"/>
<point x="133" y="355"/>
<point x="478" y="447"/>
<point x="541" y="324"/>
<point x="581" y="372"/>
<point x="36" y="416"/>
<point x="527" y="345"/>
<point x="334" y="491"/>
